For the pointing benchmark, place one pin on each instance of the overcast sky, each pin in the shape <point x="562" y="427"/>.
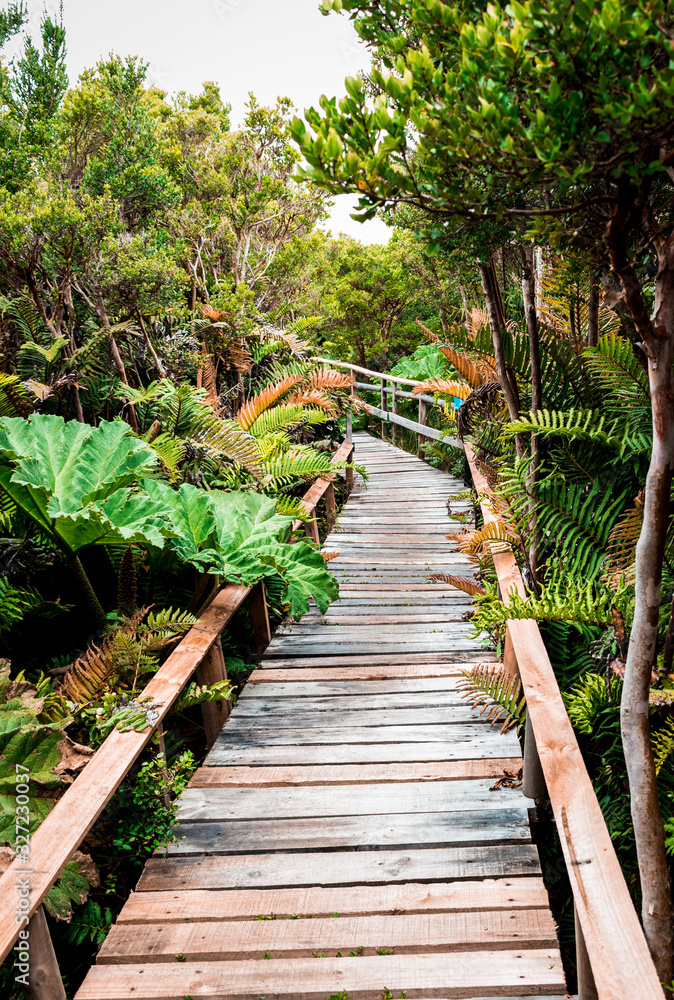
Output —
<point x="275" y="48"/>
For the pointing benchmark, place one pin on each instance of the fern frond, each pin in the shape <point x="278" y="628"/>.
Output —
<point x="458" y="389"/>
<point x="472" y="541"/>
<point x="249" y="413"/>
<point x="292" y="507"/>
<point x="616" y="370"/>
<point x="314" y="397"/>
<point x="327" y="378"/>
<point x="662" y="741"/>
<point x="573" y="601"/>
<point x="590" y="696"/>
<point x="463" y="583"/>
<point x="583" y="425"/>
<point x="14" y="399"/>
<point x="329" y="555"/>
<point x="622" y="543"/>
<point x="491" y="689"/>
<point x="290" y="414"/>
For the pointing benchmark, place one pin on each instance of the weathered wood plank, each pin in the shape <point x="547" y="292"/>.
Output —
<point x="449" y="734"/>
<point x="299" y="718"/>
<point x="189" y="905"/>
<point x="358" y="668"/>
<point x="403" y="831"/>
<point x="351" y="774"/>
<point x="204" y="805"/>
<point x="429" y="662"/>
<point x="248" y="705"/>
<point x="534" y="970"/>
<point x="276" y="871"/>
<point x="357" y="753"/>
<point x="301" y="938"/>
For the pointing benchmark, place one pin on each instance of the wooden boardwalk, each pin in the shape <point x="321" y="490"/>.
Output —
<point x="342" y="838"/>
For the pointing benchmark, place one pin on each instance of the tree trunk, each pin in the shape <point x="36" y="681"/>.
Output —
<point x="658" y="341"/>
<point x="529" y="296"/>
<point x="117" y="358"/>
<point x="593" y="315"/>
<point x="466" y="311"/>
<point x="499" y="356"/>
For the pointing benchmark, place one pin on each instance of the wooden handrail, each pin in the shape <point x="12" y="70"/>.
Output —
<point x="321" y="487"/>
<point x="621" y="963"/>
<point x="63" y="830"/>
<point x="366" y="371"/>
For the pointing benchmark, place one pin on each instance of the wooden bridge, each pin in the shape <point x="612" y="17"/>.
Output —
<point x="344" y="835"/>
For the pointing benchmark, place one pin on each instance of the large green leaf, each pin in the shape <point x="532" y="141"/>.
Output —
<point x="73" y="480"/>
<point x="303" y="570"/>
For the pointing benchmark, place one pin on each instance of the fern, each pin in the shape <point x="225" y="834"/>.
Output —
<point x="591" y="696"/>
<point x="622" y="543"/>
<point x="491" y="689"/>
<point x="249" y="413"/>
<point x="463" y="583"/>
<point x="663" y="743"/>
<point x="583" y="425"/>
<point x="14" y="399"/>
<point x="574" y="601"/>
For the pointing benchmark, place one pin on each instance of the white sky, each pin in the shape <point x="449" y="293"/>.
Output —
<point x="276" y="48"/>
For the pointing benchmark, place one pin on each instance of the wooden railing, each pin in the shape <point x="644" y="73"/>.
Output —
<point x="390" y="414"/>
<point x="57" y="838"/>
<point x="613" y="958"/>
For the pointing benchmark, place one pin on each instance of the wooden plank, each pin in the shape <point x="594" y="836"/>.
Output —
<point x="610" y="924"/>
<point x="61" y="833"/>
<point x="449" y="646"/>
<point x="359" y="669"/>
<point x="199" y="805"/>
<point x="405" y="830"/>
<point x="356" y="753"/>
<point x="278" y="870"/>
<point x="254" y="706"/>
<point x="297" y="718"/>
<point x="278" y="691"/>
<point x="351" y="774"/>
<point x="186" y="906"/>
<point x="449" y="734"/>
<point x="495" y="972"/>
<point x="404" y="934"/>
<point x="430" y="660"/>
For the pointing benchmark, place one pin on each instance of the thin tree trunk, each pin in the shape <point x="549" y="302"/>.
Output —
<point x="529" y="296"/>
<point x="466" y="312"/>
<point x="117" y="358"/>
<point x="486" y="271"/>
<point x="658" y="340"/>
<point x="593" y="315"/>
<point x="159" y="366"/>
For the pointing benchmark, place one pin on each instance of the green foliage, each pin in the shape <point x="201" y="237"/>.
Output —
<point x="496" y="694"/>
<point x="144" y="819"/>
<point x="90" y="923"/>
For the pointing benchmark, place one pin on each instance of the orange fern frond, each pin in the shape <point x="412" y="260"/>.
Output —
<point x="463" y="583"/>
<point x="238" y="357"/>
<point x="458" y="389"/>
<point x="313" y="397"/>
<point x="328" y="378"/>
<point x="249" y="413"/>
<point x="475" y="372"/>
<point x="622" y="543"/>
<point x="330" y="555"/>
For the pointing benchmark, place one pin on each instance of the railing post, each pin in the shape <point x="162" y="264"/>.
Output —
<point x="383" y="405"/>
<point x="44" y="977"/>
<point x="330" y="506"/>
<point x="348" y="475"/>
<point x="210" y="671"/>
<point x="533" y="780"/>
<point x="394" y="409"/>
<point x="259" y="616"/>
<point x="422" y="420"/>
<point x="509" y="659"/>
<point x="311" y="528"/>
<point x="349" y="415"/>
<point x="587" y="989"/>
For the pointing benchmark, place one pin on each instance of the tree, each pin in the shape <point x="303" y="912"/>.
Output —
<point x="563" y="116"/>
